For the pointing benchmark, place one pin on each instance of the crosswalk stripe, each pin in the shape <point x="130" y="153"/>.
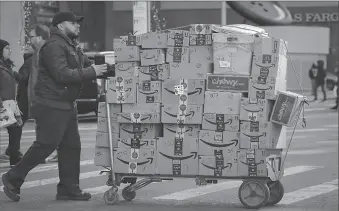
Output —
<point x="199" y="191"/>
<point x="309" y="192"/>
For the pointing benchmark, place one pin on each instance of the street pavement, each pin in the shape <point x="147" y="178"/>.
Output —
<point x="310" y="180"/>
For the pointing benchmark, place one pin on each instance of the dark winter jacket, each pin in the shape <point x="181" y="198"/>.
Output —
<point x="7" y="82"/>
<point x="62" y="70"/>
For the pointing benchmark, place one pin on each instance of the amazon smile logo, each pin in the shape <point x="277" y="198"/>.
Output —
<point x="145" y="143"/>
<point x="189" y="129"/>
<point x="147" y="117"/>
<point x="190" y="113"/>
<point x="254" y="111"/>
<point x="145" y="130"/>
<point x="228" y="165"/>
<point x="263" y="89"/>
<point x="148" y="93"/>
<point x="193" y="155"/>
<point x="214" y="123"/>
<point x="263" y="135"/>
<point x="250" y="164"/>
<point x="149" y="160"/>
<point x="234" y="142"/>
<point x="197" y="91"/>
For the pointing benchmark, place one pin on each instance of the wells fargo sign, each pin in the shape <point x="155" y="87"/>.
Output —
<point x="315" y="17"/>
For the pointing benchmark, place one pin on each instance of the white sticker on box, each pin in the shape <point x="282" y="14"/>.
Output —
<point x="135" y="117"/>
<point x="226" y="64"/>
<point x="134" y="154"/>
<point x="254" y="145"/>
<point x="252" y="116"/>
<point x="132" y="167"/>
<point x="179" y="89"/>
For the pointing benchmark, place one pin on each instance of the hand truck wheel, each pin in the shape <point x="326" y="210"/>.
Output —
<point x="276" y="192"/>
<point x="111" y="196"/>
<point x="253" y="194"/>
<point x="128" y="195"/>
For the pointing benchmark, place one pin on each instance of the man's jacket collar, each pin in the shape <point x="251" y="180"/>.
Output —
<point x="56" y="32"/>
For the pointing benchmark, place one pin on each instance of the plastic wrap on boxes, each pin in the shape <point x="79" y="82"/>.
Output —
<point x="121" y="90"/>
<point x="126" y="69"/>
<point x="102" y="139"/>
<point x="154" y="40"/>
<point x="152" y="57"/>
<point x="138" y="117"/>
<point x="114" y="109"/>
<point x="254" y="109"/>
<point x="141" y="107"/>
<point x="178" y="38"/>
<point x="140" y="131"/>
<point x="265" y="88"/>
<point x="130" y="40"/>
<point x="184" y="114"/>
<point x="134" y="143"/>
<point x="149" y="92"/>
<point x="153" y="72"/>
<point x="192" y="70"/>
<point x="218" y="165"/>
<point x="222" y="102"/>
<point x="127" y="54"/>
<point x="203" y="54"/>
<point x="183" y="130"/>
<point x="177" y="55"/>
<point x="220" y="122"/>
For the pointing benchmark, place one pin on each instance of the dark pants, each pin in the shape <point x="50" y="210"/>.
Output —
<point x="54" y="128"/>
<point x="316" y="90"/>
<point x="13" y="150"/>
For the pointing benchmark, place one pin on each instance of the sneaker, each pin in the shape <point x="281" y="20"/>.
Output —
<point x="52" y="159"/>
<point x="78" y="196"/>
<point x="4" y="157"/>
<point x="335" y="107"/>
<point x="9" y="189"/>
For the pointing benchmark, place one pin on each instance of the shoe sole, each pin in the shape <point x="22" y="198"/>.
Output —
<point x="71" y="198"/>
<point x="13" y="196"/>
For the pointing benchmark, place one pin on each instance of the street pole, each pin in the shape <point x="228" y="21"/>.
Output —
<point x="223" y="13"/>
<point x="141" y="16"/>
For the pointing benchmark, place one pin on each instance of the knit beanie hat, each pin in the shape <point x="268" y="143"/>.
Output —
<point x="3" y="44"/>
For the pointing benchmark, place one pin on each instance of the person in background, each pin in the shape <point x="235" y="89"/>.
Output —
<point x="312" y="73"/>
<point x="320" y="75"/>
<point x="8" y="79"/>
<point x="63" y="69"/>
<point x="337" y="99"/>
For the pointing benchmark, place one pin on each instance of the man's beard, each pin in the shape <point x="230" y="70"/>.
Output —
<point x="72" y="35"/>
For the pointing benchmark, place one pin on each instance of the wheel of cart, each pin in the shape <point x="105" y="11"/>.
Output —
<point x="276" y="192"/>
<point x="254" y="194"/>
<point x="111" y="196"/>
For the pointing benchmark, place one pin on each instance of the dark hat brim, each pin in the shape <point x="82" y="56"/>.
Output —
<point x="79" y="18"/>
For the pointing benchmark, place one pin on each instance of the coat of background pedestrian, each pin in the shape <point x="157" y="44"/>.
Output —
<point x="320" y="80"/>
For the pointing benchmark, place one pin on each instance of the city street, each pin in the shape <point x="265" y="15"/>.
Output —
<point x="310" y="180"/>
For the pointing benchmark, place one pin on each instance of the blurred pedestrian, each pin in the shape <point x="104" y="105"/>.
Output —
<point x="337" y="99"/>
<point x="312" y="73"/>
<point x="8" y="79"/>
<point x="62" y="71"/>
<point x="320" y="75"/>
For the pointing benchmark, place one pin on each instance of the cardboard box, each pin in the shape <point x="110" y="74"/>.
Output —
<point x="102" y="157"/>
<point x="102" y="139"/>
<point x="141" y="107"/>
<point x="212" y="142"/>
<point x="141" y="131"/>
<point x="149" y="92"/>
<point x="203" y="54"/>
<point x="201" y="29"/>
<point x="192" y="89"/>
<point x="177" y="156"/>
<point x="222" y="102"/>
<point x="228" y="83"/>
<point x="154" y="40"/>
<point x="132" y="143"/>
<point x="270" y="57"/>
<point x="135" y="161"/>
<point x="254" y="109"/>
<point x="259" y="163"/>
<point x="178" y="38"/>
<point x="121" y="90"/>
<point x="154" y="72"/>
<point x="114" y="109"/>
<point x="192" y="114"/>
<point x="218" y="166"/>
<point x="126" y="69"/>
<point x="102" y="125"/>
<point x="152" y="57"/>
<point x="264" y="88"/>
<point x="197" y="70"/>
<point x="173" y="130"/>
<point x="138" y="117"/>
<point x="220" y="122"/>
<point x="177" y="55"/>
<point x="124" y="41"/>
<point x="232" y="53"/>
<point x="261" y="135"/>
<point x="127" y="54"/>
<point x="287" y="108"/>
<point x="200" y="39"/>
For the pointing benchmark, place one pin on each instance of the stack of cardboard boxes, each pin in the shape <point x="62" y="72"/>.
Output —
<point x="198" y="102"/>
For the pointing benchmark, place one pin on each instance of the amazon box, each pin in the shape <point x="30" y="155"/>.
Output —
<point x="154" y="40"/>
<point x="197" y="70"/>
<point x="265" y="88"/>
<point x="140" y="131"/>
<point x="211" y="142"/>
<point x="178" y="38"/>
<point x="177" y="55"/>
<point x="126" y="69"/>
<point x="133" y="143"/>
<point x="261" y="135"/>
<point x="149" y="92"/>
<point x="102" y="125"/>
<point x="260" y="163"/>
<point x="127" y="54"/>
<point x="222" y="102"/>
<point x="287" y="108"/>
<point x="190" y="91"/>
<point x="232" y="53"/>
<point x="201" y="29"/>
<point x="158" y="72"/>
<point x="200" y="39"/>
<point x="121" y="90"/>
<point x="270" y="57"/>
<point x="203" y="54"/>
<point x="228" y="83"/>
<point x="141" y="107"/>
<point x="174" y="130"/>
<point x="102" y="157"/>
<point x="130" y="40"/>
<point x="134" y="161"/>
<point x="254" y="109"/>
<point x="219" y="165"/>
<point x="114" y="109"/>
<point x="181" y="114"/>
<point x="177" y="156"/>
<point x="102" y="139"/>
<point x="138" y="117"/>
<point x="152" y="57"/>
<point x="220" y="122"/>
